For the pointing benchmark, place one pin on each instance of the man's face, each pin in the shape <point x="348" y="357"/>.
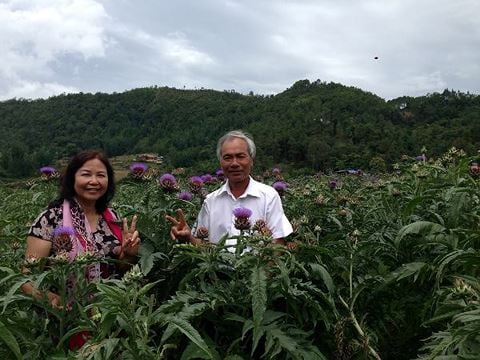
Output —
<point x="235" y="161"/>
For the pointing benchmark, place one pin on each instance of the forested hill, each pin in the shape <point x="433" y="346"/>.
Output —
<point x="312" y="125"/>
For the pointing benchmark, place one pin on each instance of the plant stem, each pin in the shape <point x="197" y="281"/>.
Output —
<point x="359" y="329"/>
<point x="350" y="276"/>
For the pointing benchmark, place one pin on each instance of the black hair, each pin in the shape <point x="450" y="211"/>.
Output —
<point x="67" y="183"/>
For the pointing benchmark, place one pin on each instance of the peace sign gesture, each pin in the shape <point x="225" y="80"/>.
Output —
<point x="131" y="239"/>
<point x="179" y="229"/>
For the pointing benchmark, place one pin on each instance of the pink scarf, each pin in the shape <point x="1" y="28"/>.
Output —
<point x="82" y="239"/>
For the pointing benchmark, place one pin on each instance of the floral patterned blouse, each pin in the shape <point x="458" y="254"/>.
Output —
<point x="44" y="226"/>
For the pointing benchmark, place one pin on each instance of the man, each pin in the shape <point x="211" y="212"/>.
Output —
<point x="236" y="152"/>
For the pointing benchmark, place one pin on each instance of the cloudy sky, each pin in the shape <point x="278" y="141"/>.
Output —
<point x="48" y="47"/>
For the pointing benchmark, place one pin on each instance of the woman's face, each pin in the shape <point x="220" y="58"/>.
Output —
<point x="91" y="182"/>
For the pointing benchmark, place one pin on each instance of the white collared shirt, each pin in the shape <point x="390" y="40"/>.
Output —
<point x="216" y="213"/>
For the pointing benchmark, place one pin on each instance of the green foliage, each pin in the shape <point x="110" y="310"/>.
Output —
<point x="9" y="341"/>
<point x="377" y="164"/>
<point x="382" y="267"/>
<point x="311" y="126"/>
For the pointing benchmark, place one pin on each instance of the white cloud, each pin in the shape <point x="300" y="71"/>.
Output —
<point x="263" y="46"/>
<point x="178" y="48"/>
<point x="33" y="34"/>
<point x="174" y="48"/>
<point x="29" y="90"/>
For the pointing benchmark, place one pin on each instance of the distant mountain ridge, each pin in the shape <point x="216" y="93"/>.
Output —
<point x="311" y="126"/>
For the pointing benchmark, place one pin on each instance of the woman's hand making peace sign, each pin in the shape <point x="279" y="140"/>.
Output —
<point x="131" y="239"/>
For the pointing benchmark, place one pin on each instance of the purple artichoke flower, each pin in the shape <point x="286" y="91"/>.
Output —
<point x="332" y="184"/>
<point x="63" y="230"/>
<point x="207" y="178"/>
<point x="242" y="218"/>
<point x="138" y="168"/>
<point x="422" y="157"/>
<point x="280" y="186"/>
<point x="220" y="174"/>
<point x="185" y="195"/>
<point x="47" y="170"/>
<point x="197" y="180"/>
<point x="168" y="182"/>
<point x="276" y="171"/>
<point x="196" y="184"/>
<point x="168" y="178"/>
<point x="242" y="212"/>
<point x="62" y="243"/>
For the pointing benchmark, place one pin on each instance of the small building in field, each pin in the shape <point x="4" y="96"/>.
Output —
<point x="153" y="158"/>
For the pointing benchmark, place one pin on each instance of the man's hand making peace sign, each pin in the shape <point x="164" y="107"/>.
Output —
<point x="180" y="230"/>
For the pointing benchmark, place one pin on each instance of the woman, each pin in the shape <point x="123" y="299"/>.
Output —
<point x="80" y="221"/>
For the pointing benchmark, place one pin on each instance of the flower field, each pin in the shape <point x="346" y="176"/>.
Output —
<point x="378" y="267"/>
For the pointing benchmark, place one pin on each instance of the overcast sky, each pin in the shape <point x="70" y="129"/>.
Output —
<point x="48" y="47"/>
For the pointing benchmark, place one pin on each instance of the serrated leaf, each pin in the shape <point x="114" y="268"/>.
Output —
<point x="8" y="339"/>
<point x="258" y="288"/>
<point x="419" y="227"/>
<point x="192" y="351"/>
<point x="169" y="331"/>
<point x="319" y="270"/>
<point x="409" y="269"/>
<point x="147" y="261"/>
<point x="189" y="331"/>
<point x="147" y="287"/>
<point x="11" y="296"/>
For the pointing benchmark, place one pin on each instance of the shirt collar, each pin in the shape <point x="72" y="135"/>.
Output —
<point x="252" y="189"/>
